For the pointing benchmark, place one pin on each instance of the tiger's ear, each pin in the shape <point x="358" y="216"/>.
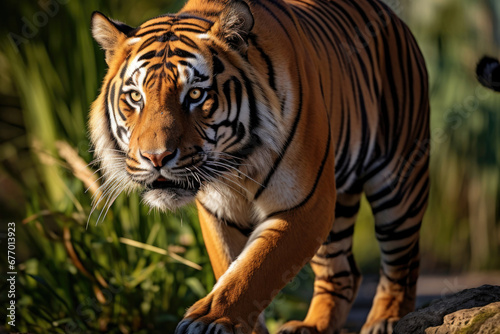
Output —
<point x="236" y="22"/>
<point x="108" y="33"/>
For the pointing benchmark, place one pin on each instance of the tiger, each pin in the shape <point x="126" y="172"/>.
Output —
<point x="275" y="117"/>
<point x="488" y="73"/>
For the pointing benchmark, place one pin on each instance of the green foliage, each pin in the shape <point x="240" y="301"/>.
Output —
<point x="74" y="276"/>
<point x="87" y="280"/>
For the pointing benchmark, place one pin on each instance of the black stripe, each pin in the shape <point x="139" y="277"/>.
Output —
<point x="218" y="66"/>
<point x="245" y="231"/>
<point x="147" y="43"/>
<point x="186" y="16"/>
<point x="141" y="33"/>
<point x="333" y="255"/>
<point x="346" y="211"/>
<point x="393" y="250"/>
<point x="333" y="293"/>
<point x="340" y="235"/>
<point x="133" y="159"/>
<point x="318" y="176"/>
<point x="122" y="133"/>
<point x="389" y="229"/>
<point x="168" y="21"/>
<point x="136" y="169"/>
<point x="330" y="278"/>
<point x="189" y="42"/>
<point x="108" y="119"/>
<point x="180" y="53"/>
<point x="405" y="258"/>
<point x="267" y="60"/>
<point x="147" y="55"/>
<point x="406" y="233"/>
<point x="286" y="145"/>
<point x="196" y="31"/>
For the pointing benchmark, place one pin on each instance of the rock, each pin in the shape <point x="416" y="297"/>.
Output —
<point x="469" y="311"/>
<point x="477" y="320"/>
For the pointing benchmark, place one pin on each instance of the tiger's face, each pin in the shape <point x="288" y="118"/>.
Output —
<point x="178" y="109"/>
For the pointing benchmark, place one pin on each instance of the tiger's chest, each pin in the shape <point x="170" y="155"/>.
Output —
<point x="236" y="204"/>
<point x="229" y="206"/>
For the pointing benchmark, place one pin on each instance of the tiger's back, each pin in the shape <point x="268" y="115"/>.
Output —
<point x="372" y="79"/>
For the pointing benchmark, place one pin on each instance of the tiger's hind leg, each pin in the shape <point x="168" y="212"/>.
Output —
<point x="398" y="204"/>
<point x="337" y="276"/>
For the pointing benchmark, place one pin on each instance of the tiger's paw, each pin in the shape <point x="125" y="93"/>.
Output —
<point x="205" y="316"/>
<point x="381" y="326"/>
<point x="206" y="325"/>
<point x="297" y="327"/>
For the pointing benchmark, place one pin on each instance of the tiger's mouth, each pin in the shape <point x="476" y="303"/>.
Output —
<point x="165" y="194"/>
<point x="163" y="183"/>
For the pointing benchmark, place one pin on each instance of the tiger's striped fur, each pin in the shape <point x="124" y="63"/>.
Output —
<point x="276" y="115"/>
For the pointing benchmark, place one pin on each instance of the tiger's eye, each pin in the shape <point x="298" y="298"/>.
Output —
<point x="135" y="96"/>
<point x="195" y="94"/>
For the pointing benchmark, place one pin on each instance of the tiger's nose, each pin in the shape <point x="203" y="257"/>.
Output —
<point x="159" y="160"/>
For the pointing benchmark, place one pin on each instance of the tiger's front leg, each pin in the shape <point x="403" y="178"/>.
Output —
<point x="275" y="252"/>
<point x="224" y="243"/>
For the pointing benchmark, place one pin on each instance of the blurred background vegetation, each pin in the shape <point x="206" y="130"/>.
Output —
<point x="75" y="278"/>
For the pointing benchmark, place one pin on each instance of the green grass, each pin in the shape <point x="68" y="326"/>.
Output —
<point x="74" y="277"/>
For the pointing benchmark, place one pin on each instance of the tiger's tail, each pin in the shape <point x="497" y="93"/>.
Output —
<point x="488" y="73"/>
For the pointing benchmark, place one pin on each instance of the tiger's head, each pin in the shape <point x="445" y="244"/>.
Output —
<point x="181" y="107"/>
